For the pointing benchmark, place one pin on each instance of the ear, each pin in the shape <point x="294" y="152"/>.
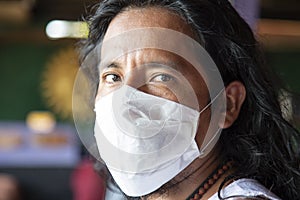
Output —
<point x="235" y="97"/>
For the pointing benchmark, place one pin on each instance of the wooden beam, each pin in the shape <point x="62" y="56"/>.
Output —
<point x="15" y="11"/>
<point x="278" y="27"/>
<point x="277" y="34"/>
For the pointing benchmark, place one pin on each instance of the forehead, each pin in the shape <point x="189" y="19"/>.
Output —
<point x="143" y="19"/>
<point x="134" y="18"/>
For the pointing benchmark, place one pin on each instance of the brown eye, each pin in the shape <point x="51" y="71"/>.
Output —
<point x="162" y="78"/>
<point x="111" y="78"/>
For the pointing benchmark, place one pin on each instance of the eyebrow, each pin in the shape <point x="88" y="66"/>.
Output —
<point x="113" y="65"/>
<point x="169" y="64"/>
<point x="109" y="66"/>
<point x="171" y="61"/>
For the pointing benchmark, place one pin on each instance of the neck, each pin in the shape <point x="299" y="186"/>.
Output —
<point x="189" y="179"/>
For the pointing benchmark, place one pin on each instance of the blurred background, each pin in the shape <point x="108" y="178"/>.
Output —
<point x="39" y="148"/>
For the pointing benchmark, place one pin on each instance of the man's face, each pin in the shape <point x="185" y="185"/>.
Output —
<point x="154" y="71"/>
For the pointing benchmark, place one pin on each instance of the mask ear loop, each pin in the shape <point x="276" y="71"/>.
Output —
<point x="218" y="131"/>
<point x="212" y="101"/>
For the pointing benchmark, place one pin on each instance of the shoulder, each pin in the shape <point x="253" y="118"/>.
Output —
<point x="249" y="188"/>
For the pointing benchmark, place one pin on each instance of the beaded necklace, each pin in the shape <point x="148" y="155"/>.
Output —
<point x="208" y="183"/>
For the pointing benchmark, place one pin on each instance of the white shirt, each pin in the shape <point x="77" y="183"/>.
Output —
<point x="245" y="187"/>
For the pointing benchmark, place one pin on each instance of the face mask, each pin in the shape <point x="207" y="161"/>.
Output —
<point x="145" y="140"/>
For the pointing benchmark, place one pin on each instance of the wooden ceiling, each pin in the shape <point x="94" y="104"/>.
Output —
<point x="26" y="19"/>
<point x="280" y="9"/>
<point x="37" y="10"/>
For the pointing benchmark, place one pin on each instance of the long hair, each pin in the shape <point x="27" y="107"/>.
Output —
<point x="262" y="143"/>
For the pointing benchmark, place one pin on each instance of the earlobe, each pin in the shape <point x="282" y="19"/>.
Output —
<point x="235" y="97"/>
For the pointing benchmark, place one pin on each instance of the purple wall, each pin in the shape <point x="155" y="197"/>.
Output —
<point x="249" y="10"/>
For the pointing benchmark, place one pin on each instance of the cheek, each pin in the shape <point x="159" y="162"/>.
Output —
<point x="156" y="90"/>
<point x="201" y="91"/>
<point x="99" y="91"/>
<point x="205" y="116"/>
<point x="102" y="91"/>
<point x="203" y="125"/>
<point x="159" y="91"/>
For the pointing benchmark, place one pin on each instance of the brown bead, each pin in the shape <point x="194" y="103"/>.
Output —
<point x="211" y="181"/>
<point x="216" y="176"/>
<point x="197" y="196"/>
<point x="225" y="167"/>
<point x="220" y="171"/>
<point x="206" y="186"/>
<point x="201" y="191"/>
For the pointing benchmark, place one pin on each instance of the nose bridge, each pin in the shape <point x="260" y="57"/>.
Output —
<point x="135" y="77"/>
<point x="135" y="73"/>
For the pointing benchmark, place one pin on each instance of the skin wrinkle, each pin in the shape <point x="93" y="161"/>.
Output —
<point x="124" y="22"/>
<point x="162" y="59"/>
<point x="189" y="177"/>
<point x="130" y="61"/>
<point x="159" y="21"/>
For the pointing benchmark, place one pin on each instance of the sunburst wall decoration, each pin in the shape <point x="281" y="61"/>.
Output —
<point x="58" y="80"/>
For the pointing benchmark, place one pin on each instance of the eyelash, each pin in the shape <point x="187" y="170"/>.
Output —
<point x="117" y="78"/>
<point x="169" y="77"/>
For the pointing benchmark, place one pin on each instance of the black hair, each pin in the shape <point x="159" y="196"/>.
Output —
<point x="262" y="143"/>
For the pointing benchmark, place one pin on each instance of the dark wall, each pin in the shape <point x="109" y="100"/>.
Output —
<point x="21" y="66"/>
<point x="287" y="64"/>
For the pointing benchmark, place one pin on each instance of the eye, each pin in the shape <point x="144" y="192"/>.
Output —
<point x="162" y="78"/>
<point x="111" y="78"/>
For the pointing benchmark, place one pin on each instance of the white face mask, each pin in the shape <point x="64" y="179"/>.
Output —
<point x="145" y="140"/>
